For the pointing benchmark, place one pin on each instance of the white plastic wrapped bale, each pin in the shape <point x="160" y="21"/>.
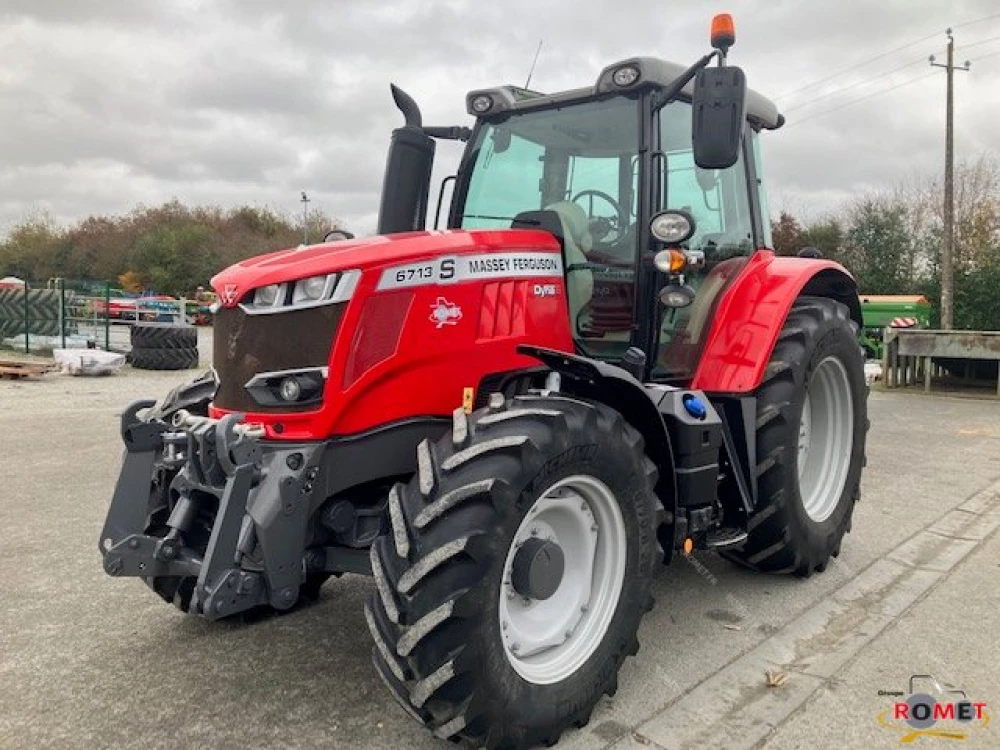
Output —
<point x="88" y="361"/>
<point x="873" y="372"/>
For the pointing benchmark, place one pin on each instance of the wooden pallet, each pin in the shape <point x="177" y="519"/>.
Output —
<point x="13" y="369"/>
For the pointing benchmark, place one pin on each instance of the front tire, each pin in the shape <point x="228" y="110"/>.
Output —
<point x="811" y="424"/>
<point x="462" y="644"/>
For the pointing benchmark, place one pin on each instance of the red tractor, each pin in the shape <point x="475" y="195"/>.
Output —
<point x="512" y="424"/>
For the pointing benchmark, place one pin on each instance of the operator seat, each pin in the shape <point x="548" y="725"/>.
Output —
<point x="571" y="228"/>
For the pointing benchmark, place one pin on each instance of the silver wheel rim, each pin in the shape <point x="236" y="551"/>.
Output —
<point x="826" y="439"/>
<point x="548" y="640"/>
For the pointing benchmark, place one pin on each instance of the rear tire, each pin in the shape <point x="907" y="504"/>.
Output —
<point x="443" y="576"/>
<point x="811" y="424"/>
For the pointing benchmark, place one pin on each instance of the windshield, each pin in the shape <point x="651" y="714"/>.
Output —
<point x="581" y="163"/>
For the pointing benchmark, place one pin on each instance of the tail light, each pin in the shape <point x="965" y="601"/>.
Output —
<point x="378" y="332"/>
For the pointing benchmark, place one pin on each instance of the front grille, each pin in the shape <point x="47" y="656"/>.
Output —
<point x="247" y="345"/>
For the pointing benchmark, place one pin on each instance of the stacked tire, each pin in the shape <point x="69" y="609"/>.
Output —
<point x="164" y="346"/>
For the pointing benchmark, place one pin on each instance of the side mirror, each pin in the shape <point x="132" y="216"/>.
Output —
<point x="719" y="114"/>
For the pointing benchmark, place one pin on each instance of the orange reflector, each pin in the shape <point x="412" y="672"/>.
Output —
<point x="723" y="31"/>
<point x="688" y="545"/>
<point x="678" y="260"/>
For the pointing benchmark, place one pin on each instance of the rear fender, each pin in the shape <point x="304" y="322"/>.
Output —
<point x="752" y="312"/>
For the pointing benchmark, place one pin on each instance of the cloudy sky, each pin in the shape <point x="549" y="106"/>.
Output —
<point x="105" y="104"/>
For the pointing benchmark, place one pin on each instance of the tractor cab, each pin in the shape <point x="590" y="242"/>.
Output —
<point x="608" y="168"/>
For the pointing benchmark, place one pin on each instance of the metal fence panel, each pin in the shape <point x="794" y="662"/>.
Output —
<point x="77" y="314"/>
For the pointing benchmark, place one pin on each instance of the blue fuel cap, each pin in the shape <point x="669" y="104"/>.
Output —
<point x="694" y="406"/>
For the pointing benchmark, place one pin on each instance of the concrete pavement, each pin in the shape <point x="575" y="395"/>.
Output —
<point x="87" y="661"/>
<point x="951" y="633"/>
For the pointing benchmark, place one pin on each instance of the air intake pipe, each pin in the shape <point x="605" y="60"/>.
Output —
<point x="407" y="181"/>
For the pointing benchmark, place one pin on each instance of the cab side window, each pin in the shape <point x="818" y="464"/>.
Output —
<point x="717" y="199"/>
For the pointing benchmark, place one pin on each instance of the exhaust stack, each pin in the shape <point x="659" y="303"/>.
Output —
<point x="406" y="185"/>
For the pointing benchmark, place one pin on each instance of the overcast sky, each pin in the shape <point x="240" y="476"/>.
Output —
<point x="105" y="104"/>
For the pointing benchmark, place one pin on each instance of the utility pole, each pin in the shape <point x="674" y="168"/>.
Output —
<point x="948" y="251"/>
<point x="305" y="218"/>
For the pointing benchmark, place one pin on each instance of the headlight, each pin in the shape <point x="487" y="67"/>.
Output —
<point x="675" y="296"/>
<point x="625" y="76"/>
<point x="672" y="227"/>
<point x="482" y="104"/>
<point x="288" y="387"/>
<point x="290" y="390"/>
<point x="312" y="289"/>
<point x="267" y="296"/>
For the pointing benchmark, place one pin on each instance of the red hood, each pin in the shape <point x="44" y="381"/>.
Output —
<point x="234" y="282"/>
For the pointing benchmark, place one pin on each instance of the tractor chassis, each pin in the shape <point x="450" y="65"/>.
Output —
<point x="269" y="505"/>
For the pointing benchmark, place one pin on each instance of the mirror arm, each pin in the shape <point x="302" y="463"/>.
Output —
<point x="664" y="95"/>
<point x="453" y="133"/>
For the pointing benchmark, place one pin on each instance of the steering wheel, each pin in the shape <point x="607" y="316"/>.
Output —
<point x="606" y="231"/>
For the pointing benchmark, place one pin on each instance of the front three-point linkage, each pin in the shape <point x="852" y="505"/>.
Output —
<point x="211" y="461"/>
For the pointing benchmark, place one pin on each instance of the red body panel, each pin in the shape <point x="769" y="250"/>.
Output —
<point x="430" y="341"/>
<point x="412" y="350"/>
<point x="748" y="319"/>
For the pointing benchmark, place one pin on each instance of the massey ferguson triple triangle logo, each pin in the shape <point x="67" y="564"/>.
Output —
<point x="445" y="313"/>
<point x="229" y="294"/>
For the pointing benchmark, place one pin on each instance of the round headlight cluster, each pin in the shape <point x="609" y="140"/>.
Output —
<point x="625" y="76"/>
<point x="676" y="296"/>
<point x="289" y="389"/>
<point x="482" y="104"/>
<point x="672" y="227"/>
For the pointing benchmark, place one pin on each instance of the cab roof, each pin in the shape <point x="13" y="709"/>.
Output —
<point x="653" y="72"/>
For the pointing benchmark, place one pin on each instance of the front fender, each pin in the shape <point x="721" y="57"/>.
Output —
<point x="611" y="385"/>
<point x="752" y="312"/>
